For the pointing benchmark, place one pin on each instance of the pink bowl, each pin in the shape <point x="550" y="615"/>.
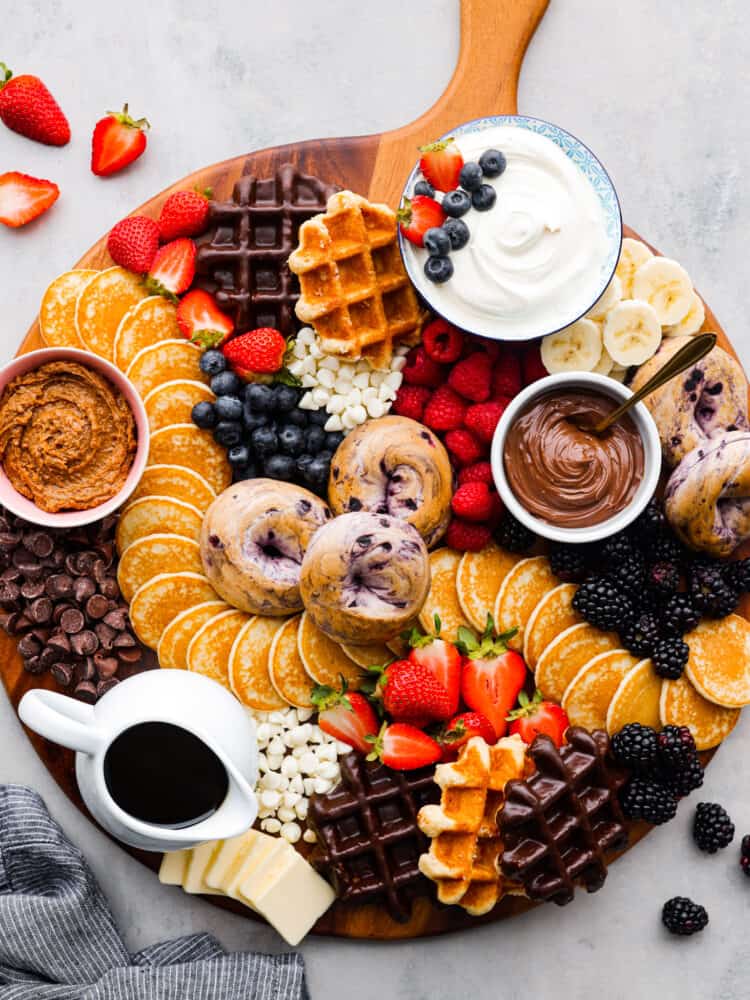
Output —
<point x="21" y="505"/>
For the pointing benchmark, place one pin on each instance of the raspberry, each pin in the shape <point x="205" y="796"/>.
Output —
<point x="463" y="447"/>
<point x="482" y="419"/>
<point x="472" y="501"/>
<point x="411" y="400"/>
<point x="506" y="378"/>
<point x="480" y="472"/>
<point x="442" y="342"/>
<point x="422" y="370"/>
<point x="466" y="537"/>
<point x="472" y="377"/>
<point x="532" y="364"/>
<point x="445" y="411"/>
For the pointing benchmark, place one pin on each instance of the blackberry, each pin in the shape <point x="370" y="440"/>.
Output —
<point x="681" y="915"/>
<point x="745" y="855"/>
<point x="712" y="827"/>
<point x="513" y="536"/>
<point x="641" y="636"/>
<point x="649" y="524"/>
<point x="617" y="547"/>
<point x="680" y="614"/>
<point x="737" y="575"/>
<point x="602" y="604"/>
<point x="665" y="548"/>
<point x="684" y="781"/>
<point x="669" y="657"/>
<point x="630" y="574"/>
<point x="663" y="578"/>
<point x="635" y="746"/>
<point x="710" y="592"/>
<point x="647" y="799"/>
<point x="569" y="562"/>
<point x="676" y="747"/>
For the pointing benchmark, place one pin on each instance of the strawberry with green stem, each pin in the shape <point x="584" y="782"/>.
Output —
<point x="441" y="164"/>
<point x="461" y="729"/>
<point x="403" y="747"/>
<point x="440" y="657"/>
<point x="411" y="693"/>
<point x="535" y="716"/>
<point x="201" y="321"/>
<point x="493" y="675"/>
<point x="417" y="215"/>
<point x="117" y="141"/>
<point x="346" y="715"/>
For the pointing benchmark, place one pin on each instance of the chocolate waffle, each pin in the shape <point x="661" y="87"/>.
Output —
<point x="243" y="259"/>
<point x="558" y="823"/>
<point x="368" y="839"/>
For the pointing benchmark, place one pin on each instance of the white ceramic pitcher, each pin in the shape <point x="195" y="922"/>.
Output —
<point x="191" y="701"/>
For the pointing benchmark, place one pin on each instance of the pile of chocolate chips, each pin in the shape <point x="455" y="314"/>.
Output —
<point x="59" y="593"/>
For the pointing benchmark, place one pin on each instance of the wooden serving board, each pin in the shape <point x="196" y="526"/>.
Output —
<point x="494" y="33"/>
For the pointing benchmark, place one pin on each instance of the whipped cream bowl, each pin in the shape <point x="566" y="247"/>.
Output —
<point x="615" y="477"/>
<point x="546" y="249"/>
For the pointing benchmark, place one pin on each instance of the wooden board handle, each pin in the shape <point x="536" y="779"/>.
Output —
<point x="494" y="37"/>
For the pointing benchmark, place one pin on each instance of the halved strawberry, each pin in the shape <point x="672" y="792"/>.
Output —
<point x="346" y="715"/>
<point x="417" y="215"/>
<point x="441" y="658"/>
<point x="493" y="675"/>
<point x="403" y="747"/>
<point x="201" y="320"/>
<point x="441" y="164"/>
<point x="118" y="139"/>
<point x="461" y="729"/>
<point x="173" y="269"/>
<point x="23" y="198"/>
<point x="536" y="716"/>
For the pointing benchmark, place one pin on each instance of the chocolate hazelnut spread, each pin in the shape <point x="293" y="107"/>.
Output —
<point x="567" y="476"/>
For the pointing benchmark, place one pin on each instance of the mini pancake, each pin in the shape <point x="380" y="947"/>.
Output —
<point x="325" y="661"/>
<point x="376" y="654"/>
<point x="636" y="699"/>
<point x="173" y="402"/>
<point x="161" y="599"/>
<point x="101" y="305"/>
<point x="248" y="664"/>
<point x="719" y="659"/>
<point x="588" y="695"/>
<point x="522" y="589"/>
<point x="552" y="615"/>
<point x="442" y="599"/>
<point x="188" y="445"/>
<point x="149" y="322"/>
<point x="285" y="666"/>
<point x="478" y="581"/>
<point x="151" y="555"/>
<point x="682" y="705"/>
<point x="164" y="362"/>
<point x="209" y="649"/>
<point x="157" y="515"/>
<point x="174" y="481"/>
<point x="567" y="653"/>
<point x="175" y="639"/>
<point x="57" y="313"/>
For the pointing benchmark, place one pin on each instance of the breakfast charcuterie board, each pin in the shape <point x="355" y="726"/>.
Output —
<point x="376" y="167"/>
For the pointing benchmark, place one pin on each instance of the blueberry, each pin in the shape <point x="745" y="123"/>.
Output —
<point x="318" y="417"/>
<point x="316" y="472"/>
<point x="279" y="467"/>
<point x="456" y="203"/>
<point x="251" y="419"/>
<point x="297" y="417"/>
<point x="484" y="198"/>
<point x="333" y="440"/>
<point x="228" y="408"/>
<point x="315" y="439"/>
<point x="265" y="441"/>
<point x="285" y="398"/>
<point x="238" y="454"/>
<point x="228" y="433"/>
<point x="291" y="440"/>
<point x="241" y="472"/>
<point x="458" y="233"/>
<point x="470" y="177"/>
<point x="225" y="384"/>
<point x="492" y="162"/>
<point x="303" y="464"/>
<point x="326" y="455"/>
<point x="260" y="397"/>
<point x="438" y="269"/>
<point x="437" y="242"/>
<point x="212" y="362"/>
<point x="424" y="187"/>
<point x="204" y="415"/>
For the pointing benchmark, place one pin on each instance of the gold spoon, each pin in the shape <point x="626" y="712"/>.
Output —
<point x="687" y="355"/>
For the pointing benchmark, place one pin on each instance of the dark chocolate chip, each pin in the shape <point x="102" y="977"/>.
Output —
<point x="72" y="621"/>
<point x="130" y="655"/>
<point x="40" y="610"/>
<point x="83" y="588"/>
<point x="86" y="691"/>
<point x="105" y="634"/>
<point x="84" y="643"/>
<point x="59" y="585"/>
<point x="29" y="646"/>
<point x="97" y="606"/>
<point x="106" y="665"/>
<point x="106" y="685"/>
<point x="60" y="642"/>
<point x="117" y="619"/>
<point x="33" y="665"/>
<point x="31" y="589"/>
<point x="109" y="587"/>
<point x="63" y="673"/>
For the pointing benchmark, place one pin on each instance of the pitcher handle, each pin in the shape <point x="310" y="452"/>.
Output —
<point x="61" y="719"/>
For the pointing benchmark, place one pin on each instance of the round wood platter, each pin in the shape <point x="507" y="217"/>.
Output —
<point x="377" y="166"/>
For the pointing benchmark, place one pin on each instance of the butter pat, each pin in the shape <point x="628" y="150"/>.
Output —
<point x="174" y="867"/>
<point x="291" y="896"/>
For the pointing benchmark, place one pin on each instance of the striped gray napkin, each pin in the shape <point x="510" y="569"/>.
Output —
<point x="58" y="940"/>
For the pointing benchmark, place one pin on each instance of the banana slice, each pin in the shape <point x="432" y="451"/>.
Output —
<point x="632" y="255"/>
<point x="606" y="364"/>
<point x="666" y="286"/>
<point x="577" y="348"/>
<point x="691" y="322"/>
<point x="632" y="332"/>
<point x="607" y="300"/>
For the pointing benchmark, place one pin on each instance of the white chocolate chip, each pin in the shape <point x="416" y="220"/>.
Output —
<point x="376" y="408"/>
<point x="334" y="423"/>
<point x="359" y="414"/>
<point x="326" y="378"/>
<point x="269" y="798"/>
<point x="322" y="785"/>
<point x="336" y="404"/>
<point x="291" y="832"/>
<point x="285" y="814"/>
<point x="309" y="837"/>
<point x="320" y="396"/>
<point x="270" y="825"/>
<point x="307" y="402"/>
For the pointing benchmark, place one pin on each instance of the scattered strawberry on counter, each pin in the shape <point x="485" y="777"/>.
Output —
<point x="23" y="198"/>
<point x="27" y="107"/>
<point x="118" y="141"/>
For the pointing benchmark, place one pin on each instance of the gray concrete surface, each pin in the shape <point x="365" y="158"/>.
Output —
<point x="659" y="91"/>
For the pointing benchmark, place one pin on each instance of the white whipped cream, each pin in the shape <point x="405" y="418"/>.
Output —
<point x="534" y="261"/>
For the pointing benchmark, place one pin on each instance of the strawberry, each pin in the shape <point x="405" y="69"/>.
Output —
<point x="461" y="729"/>
<point x="184" y="213"/>
<point x="442" y="342"/>
<point x="473" y="502"/>
<point x="133" y="243"/>
<point x="411" y="693"/>
<point x="532" y="364"/>
<point x="493" y="675"/>
<point x="482" y="419"/>
<point x="23" y="198"/>
<point x="506" y="376"/>
<point x="403" y="747"/>
<point x="201" y="320"/>
<point x="417" y="215"/>
<point x="472" y="377"/>
<point x="441" y="658"/>
<point x="422" y="370"/>
<point x="118" y="139"/>
<point x="445" y="411"/>
<point x="256" y="352"/>
<point x="346" y="715"/>
<point x="27" y="107"/>
<point x="480" y="472"/>
<point x="411" y="400"/>
<point x="172" y="270"/>
<point x="463" y="447"/>
<point x="441" y="164"/>
<point x="467" y="537"/>
<point x="537" y="716"/>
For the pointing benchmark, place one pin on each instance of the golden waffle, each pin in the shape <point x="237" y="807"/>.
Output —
<point x="464" y="854"/>
<point x="354" y="290"/>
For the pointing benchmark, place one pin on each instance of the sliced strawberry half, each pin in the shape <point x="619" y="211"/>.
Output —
<point x="535" y="716"/>
<point x="201" y="321"/>
<point x="492" y="676"/>
<point x="173" y="269"/>
<point x="118" y="139"/>
<point x="461" y="729"/>
<point x="417" y="215"/>
<point x="441" y="164"/>
<point x="403" y="747"/>
<point x="23" y="198"/>
<point x="441" y="658"/>
<point x="346" y="715"/>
